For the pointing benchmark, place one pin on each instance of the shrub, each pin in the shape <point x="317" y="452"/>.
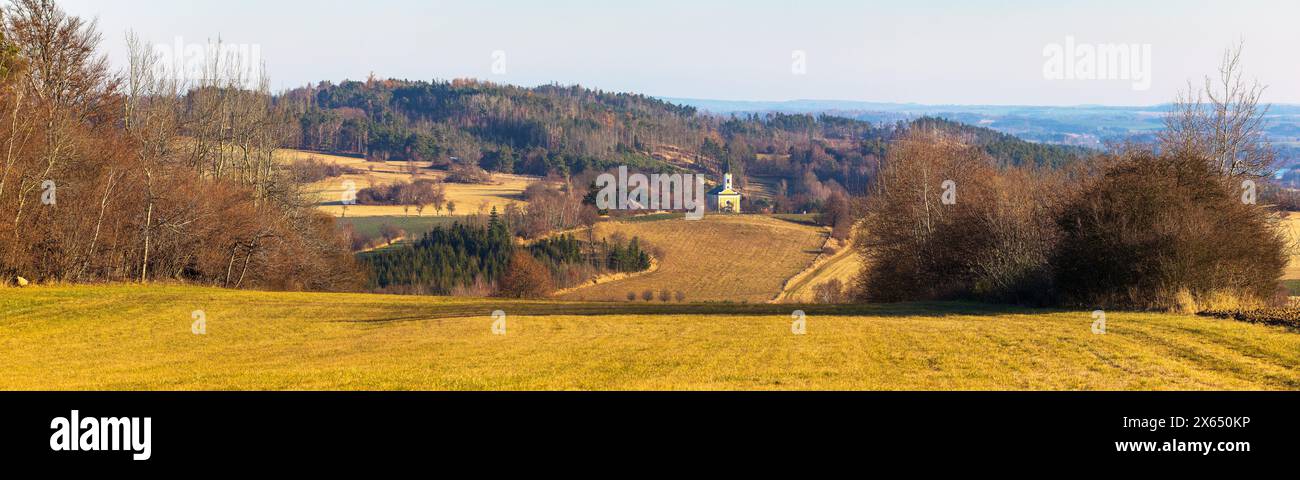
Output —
<point x="1152" y="226"/>
<point x="313" y="170"/>
<point x="414" y="194"/>
<point x="356" y="241"/>
<point x="1018" y="222"/>
<point x="525" y="278"/>
<point x="390" y="233"/>
<point x="480" y="288"/>
<point x="993" y="243"/>
<point x="468" y="174"/>
<point x="1185" y="303"/>
<point x="837" y="213"/>
<point x="830" y="292"/>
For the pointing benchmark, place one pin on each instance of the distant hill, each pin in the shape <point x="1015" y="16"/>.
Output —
<point x="569" y="130"/>
<point x="1086" y="125"/>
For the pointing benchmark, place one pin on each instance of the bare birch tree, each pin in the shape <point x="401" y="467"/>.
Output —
<point x="1223" y="122"/>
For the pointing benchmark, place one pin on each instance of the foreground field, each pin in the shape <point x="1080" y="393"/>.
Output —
<point x="140" y="338"/>
<point x="738" y="258"/>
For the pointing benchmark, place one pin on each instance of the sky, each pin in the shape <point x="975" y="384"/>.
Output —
<point x="932" y="52"/>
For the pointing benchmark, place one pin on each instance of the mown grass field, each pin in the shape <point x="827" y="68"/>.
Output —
<point x="743" y="258"/>
<point x="844" y="266"/>
<point x="1291" y="225"/>
<point x="414" y="226"/>
<point x="139" y="338"/>
<point x="468" y="198"/>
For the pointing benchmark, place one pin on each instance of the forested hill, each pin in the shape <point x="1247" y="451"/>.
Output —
<point x="1007" y="148"/>
<point x="565" y="130"/>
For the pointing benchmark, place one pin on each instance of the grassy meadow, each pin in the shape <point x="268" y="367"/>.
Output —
<point x="741" y="258"/>
<point x="468" y="198"/>
<point x="1291" y="225"/>
<point x="140" y="338"/>
<point x="413" y="225"/>
<point x="844" y="266"/>
<point x="126" y="337"/>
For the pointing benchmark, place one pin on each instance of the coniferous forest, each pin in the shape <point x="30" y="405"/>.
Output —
<point x="466" y="258"/>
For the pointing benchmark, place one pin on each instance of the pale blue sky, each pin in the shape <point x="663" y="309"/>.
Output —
<point x="950" y="51"/>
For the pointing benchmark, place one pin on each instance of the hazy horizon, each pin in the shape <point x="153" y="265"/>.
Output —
<point x="936" y="53"/>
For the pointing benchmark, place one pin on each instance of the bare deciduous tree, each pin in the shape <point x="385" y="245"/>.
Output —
<point x="154" y="179"/>
<point x="1222" y="122"/>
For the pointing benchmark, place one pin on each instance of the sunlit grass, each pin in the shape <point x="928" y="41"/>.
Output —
<point x="504" y="189"/>
<point x="721" y="257"/>
<point x="843" y="266"/>
<point x="1291" y="226"/>
<point x="139" y="338"/>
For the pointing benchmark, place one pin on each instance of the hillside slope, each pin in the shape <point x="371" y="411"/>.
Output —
<point x="139" y="338"/>
<point x="469" y="198"/>
<point x="743" y="258"/>
<point x="844" y="265"/>
<point x="554" y="129"/>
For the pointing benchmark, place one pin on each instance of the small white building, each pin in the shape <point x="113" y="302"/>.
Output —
<point x="725" y="198"/>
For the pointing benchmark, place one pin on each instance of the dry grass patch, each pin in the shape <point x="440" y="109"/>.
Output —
<point x="504" y="190"/>
<point x="1291" y="225"/>
<point x="745" y="258"/>
<point x="844" y="266"/>
<point x="138" y="338"/>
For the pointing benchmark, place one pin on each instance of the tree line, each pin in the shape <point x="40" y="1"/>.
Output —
<point x="418" y="194"/>
<point x="467" y="125"/>
<point x="137" y="177"/>
<point x="481" y="259"/>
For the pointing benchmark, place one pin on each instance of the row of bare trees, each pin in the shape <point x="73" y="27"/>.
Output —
<point x="144" y="176"/>
<point x="418" y="194"/>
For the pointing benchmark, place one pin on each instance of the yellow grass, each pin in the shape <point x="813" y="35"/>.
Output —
<point x="1292" y="227"/>
<point x="744" y="258"/>
<point x="504" y="190"/>
<point x="843" y="266"/>
<point x="139" y="338"/>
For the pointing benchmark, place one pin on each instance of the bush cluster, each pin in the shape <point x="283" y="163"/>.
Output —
<point x="1126" y="230"/>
